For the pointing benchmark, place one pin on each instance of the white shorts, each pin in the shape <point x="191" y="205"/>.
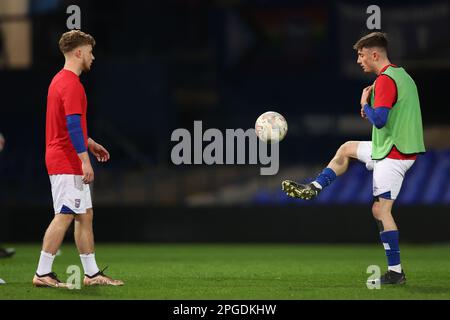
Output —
<point x="70" y="194"/>
<point x="388" y="174"/>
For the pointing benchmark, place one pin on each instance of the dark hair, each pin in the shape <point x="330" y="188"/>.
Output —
<point x="374" y="39"/>
<point x="73" y="39"/>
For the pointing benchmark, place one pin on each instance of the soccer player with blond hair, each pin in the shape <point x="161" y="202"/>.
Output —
<point x="68" y="164"/>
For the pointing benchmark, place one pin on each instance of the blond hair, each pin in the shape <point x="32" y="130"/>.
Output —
<point x="73" y="39"/>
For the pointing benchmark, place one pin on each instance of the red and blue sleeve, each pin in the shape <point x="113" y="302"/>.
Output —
<point x="385" y="98"/>
<point x="76" y="132"/>
<point x="72" y="99"/>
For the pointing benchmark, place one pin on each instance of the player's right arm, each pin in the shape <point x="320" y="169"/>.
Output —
<point x="88" y="172"/>
<point x="77" y="138"/>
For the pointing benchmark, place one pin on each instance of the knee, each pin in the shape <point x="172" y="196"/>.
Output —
<point x="343" y="150"/>
<point x="377" y="211"/>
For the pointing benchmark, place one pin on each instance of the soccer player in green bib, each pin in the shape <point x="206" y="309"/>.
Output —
<point x="391" y="104"/>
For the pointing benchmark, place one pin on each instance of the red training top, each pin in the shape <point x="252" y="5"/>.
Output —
<point x="386" y="96"/>
<point x="66" y="96"/>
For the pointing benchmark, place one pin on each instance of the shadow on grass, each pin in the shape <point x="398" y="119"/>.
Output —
<point x="428" y="290"/>
<point x="19" y="290"/>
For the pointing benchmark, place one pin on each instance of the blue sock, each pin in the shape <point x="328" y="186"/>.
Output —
<point x="326" y="177"/>
<point x="390" y="243"/>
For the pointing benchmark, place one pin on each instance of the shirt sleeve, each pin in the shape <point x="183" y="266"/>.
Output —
<point x="75" y="132"/>
<point x="72" y="98"/>
<point x="385" y="92"/>
<point x="378" y="117"/>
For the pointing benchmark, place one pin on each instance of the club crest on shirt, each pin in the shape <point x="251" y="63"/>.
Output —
<point x="77" y="203"/>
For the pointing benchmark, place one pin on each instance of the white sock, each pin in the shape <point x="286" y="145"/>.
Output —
<point x="317" y="185"/>
<point x="45" y="263"/>
<point x="397" y="268"/>
<point x="89" y="264"/>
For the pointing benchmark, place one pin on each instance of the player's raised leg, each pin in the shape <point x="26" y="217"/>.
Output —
<point x="346" y="152"/>
<point x="84" y="239"/>
<point x="337" y="166"/>
<point x="53" y="238"/>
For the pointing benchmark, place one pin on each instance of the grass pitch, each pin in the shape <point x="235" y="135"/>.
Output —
<point x="207" y="271"/>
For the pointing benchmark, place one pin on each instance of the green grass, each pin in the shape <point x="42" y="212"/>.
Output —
<point x="236" y="272"/>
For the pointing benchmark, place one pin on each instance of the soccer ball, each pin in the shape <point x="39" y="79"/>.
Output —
<point x="271" y="127"/>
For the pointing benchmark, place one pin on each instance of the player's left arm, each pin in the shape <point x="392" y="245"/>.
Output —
<point x="385" y="98"/>
<point x="98" y="150"/>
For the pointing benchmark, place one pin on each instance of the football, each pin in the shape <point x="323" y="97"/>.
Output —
<point x="271" y="127"/>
